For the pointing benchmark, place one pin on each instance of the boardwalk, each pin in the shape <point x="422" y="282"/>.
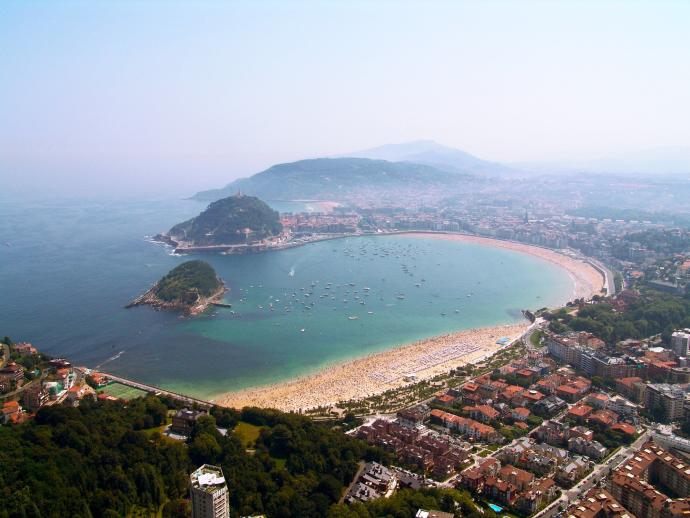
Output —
<point x="159" y="391"/>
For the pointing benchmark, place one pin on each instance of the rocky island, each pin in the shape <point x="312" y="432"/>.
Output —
<point x="235" y="224"/>
<point x="190" y="288"/>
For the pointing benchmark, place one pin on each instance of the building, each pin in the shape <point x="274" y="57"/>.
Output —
<point x="621" y="406"/>
<point x="663" y="436"/>
<point x="13" y="373"/>
<point x="183" y="421"/>
<point x="639" y="482"/>
<point x="597" y="503"/>
<point x="34" y="397"/>
<point x="665" y="401"/>
<point x="25" y="349"/>
<point x="10" y="412"/>
<point x="592" y="449"/>
<point x="469" y="427"/>
<point x="421" y="513"/>
<point x="604" y="418"/>
<point x="375" y="481"/>
<point x="414" y="415"/>
<point x="633" y="388"/>
<point x="680" y="341"/>
<point x="549" y="406"/>
<point x="78" y="392"/>
<point x="573" y="471"/>
<point x="520" y="413"/>
<point x="209" y="493"/>
<point x="579" y="413"/>
<point x="483" y="413"/>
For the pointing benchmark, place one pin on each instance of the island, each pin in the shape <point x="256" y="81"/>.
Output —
<point x="190" y="288"/>
<point x="237" y="221"/>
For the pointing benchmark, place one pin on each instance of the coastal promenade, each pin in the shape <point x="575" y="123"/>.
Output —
<point x="188" y="400"/>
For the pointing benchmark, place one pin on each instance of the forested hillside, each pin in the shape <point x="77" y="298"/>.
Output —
<point x="107" y="459"/>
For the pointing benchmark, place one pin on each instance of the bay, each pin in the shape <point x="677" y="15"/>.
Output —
<point x="67" y="268"/>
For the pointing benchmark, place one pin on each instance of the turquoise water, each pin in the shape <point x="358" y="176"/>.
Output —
<point x="496" y="508"/>
<point x="68" y="268"/>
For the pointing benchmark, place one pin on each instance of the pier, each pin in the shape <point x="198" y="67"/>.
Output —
<point x="188" y="400"/>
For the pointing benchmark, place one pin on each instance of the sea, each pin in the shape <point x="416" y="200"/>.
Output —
<point x="68" y="267"/>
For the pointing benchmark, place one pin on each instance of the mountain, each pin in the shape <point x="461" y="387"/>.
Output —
<point x="435" y="154"/>
<point x="236" y="219"/>
<point x="339" y="179"/>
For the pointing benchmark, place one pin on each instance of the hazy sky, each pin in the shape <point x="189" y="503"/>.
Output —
<point x="188" y="95"/>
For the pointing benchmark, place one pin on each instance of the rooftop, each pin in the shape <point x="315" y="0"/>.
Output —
<point x="208" y="478"/>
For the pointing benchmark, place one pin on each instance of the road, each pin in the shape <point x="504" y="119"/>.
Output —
<point x="608" y="275"/>
<point x="598" y="473"/>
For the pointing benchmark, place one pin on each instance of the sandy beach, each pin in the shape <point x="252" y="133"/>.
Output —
<point x="382" y="371"/>
<point x="377" y="372"/>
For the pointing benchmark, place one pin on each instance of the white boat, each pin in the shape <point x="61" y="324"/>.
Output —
<point x="352" y="318"/>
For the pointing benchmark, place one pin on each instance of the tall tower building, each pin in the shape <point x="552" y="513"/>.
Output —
<point x="209" y="493"/>
<point x="680" y="341"/>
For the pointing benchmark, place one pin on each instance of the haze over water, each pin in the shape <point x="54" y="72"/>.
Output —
<point x="68" y="268"/>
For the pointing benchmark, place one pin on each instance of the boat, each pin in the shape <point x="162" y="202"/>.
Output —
<point x="302" y="330"/>
<point x="352" y="318"/>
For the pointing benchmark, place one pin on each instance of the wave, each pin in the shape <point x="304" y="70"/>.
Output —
<point x="112" y="358"/>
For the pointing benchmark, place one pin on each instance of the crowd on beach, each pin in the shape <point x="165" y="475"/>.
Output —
<point x="378" y="372"/>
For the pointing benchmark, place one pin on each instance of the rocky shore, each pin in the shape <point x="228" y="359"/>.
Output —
<point x="188" y="309"/>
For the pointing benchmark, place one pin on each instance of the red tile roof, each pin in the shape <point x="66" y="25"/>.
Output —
<point x="580" y="410"/>
<point x="625" y="428"/>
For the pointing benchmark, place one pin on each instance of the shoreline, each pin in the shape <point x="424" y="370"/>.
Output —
<point x="587" y="279"/>
<point x="377" y="372"/>
<point x="149" y="298"/>
<point x="385" y="370"/>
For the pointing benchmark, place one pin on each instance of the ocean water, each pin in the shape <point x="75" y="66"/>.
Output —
<point x="68" y="267"/>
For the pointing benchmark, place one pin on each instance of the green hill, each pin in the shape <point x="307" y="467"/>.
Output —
<point x="233" y="220"/>
<point x="339" y="179"/>
<point x="190" y="287"/>
<point x="188" y="280"/>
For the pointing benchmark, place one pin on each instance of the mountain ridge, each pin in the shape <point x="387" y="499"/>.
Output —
<point x="432" y="153"/>
<point x="338" y="178"/>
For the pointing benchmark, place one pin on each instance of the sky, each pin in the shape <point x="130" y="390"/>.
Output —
<point x="175" y="97"/>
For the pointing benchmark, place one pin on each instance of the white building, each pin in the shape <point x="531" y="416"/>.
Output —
<point x="622" y="406"/>
<point x="209" y="493"/>
<point x="680" y="341"/>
